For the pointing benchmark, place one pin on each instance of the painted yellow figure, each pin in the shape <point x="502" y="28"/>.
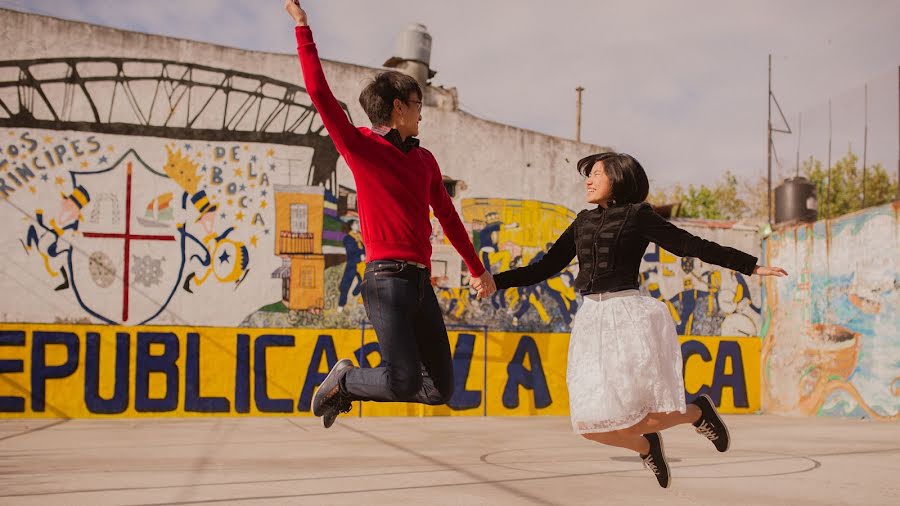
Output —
<point x="232" y="257"/>
<point x="565" y="290"/>
<point x="489" y="242"/>
<point x="225" y="259"/>
<point x="182" y="170"/>
<point x="656" y="293"/>
<point x="688" y="299"/>
<point x="458" y="299"/>
<point x="714" y="285"/>
<point x="462" y="296"/>
<point x="529" y="297"/>
<point x="47" y="241"/>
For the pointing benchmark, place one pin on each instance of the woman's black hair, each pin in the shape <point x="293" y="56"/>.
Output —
<point x="629" y="181"/>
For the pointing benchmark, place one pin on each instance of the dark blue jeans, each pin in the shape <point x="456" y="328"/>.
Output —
<point x="416" y="364"/>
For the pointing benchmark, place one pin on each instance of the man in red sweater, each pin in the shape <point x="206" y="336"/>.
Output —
<point x="396" y="183"/>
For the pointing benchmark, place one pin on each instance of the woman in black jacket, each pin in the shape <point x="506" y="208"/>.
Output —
<point x="625" y="370"/>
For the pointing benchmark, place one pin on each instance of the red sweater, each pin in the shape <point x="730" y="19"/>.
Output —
<point x="394" y="189"/>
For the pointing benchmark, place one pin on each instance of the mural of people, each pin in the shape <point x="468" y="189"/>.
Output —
<point x="558" y="288"/>
<point x="529" y="297"/>
<point x="488" y="242"/>
<point x="356" y="256"/>
<point x="561" y="289"/>
<point x="714" y="302"/>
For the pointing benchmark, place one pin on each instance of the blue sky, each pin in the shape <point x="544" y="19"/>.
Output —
<point x="680" y="85"/>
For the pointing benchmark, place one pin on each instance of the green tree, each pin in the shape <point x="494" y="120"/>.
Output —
<point x="734" y="199"/>
<point x="845" y="193"/>
<point x="721" y="201"/>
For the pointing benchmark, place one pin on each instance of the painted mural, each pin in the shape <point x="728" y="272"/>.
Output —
<point x="703" y="299"/>
<point x="154" y="192"/>
<point x="832" y="345"/>
<point x="165" y="231"/>
<point x="147" y="232"/>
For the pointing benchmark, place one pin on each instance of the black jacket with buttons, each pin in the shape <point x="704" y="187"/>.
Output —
<point x="610" y="244"/>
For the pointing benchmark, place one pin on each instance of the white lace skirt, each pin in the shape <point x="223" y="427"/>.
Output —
<point x="624" y="362"/>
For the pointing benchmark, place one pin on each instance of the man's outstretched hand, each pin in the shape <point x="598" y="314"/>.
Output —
<point x="296" y="12"/>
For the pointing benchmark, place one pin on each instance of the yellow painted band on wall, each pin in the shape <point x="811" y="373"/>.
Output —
<point x="86" y="371"/>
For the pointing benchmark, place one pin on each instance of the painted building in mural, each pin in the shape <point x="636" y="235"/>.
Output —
<point x="832" y="343"/>
<point x="299" y="227"/>
<point x="177" y="192"/>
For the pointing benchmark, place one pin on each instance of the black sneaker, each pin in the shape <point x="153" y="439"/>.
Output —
<point x="655" y="461"/>
<point x="343" y="405"/>
<point x="329" y="392"/>
<point x="711" y="424"/>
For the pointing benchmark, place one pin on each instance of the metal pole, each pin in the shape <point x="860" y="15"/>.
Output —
<point x="799" y="140"/>
<point x="578" y="91"/>
<point x="828" y="183"/>
<point x="865" y="143"/>
<point x="769" y="139"/>
<point x="898" y="133"/>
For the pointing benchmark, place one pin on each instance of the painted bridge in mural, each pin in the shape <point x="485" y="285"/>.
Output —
<point x="164" y="98"/>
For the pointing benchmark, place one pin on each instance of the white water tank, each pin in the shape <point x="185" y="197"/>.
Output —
<point x="414" y="44"/>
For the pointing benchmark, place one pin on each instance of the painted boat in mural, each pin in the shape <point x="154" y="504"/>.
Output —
<point x="159" y="212"/>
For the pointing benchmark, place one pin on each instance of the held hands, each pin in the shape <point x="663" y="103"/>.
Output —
<point x="296" y="12"/>
<point x="484" y="284"/>
<point x="770" y="271"/>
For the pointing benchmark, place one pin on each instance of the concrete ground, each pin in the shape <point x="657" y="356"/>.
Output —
<point x="423" y="461"/>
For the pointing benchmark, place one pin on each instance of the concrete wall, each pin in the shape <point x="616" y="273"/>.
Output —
<point x="832" y="345"/>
